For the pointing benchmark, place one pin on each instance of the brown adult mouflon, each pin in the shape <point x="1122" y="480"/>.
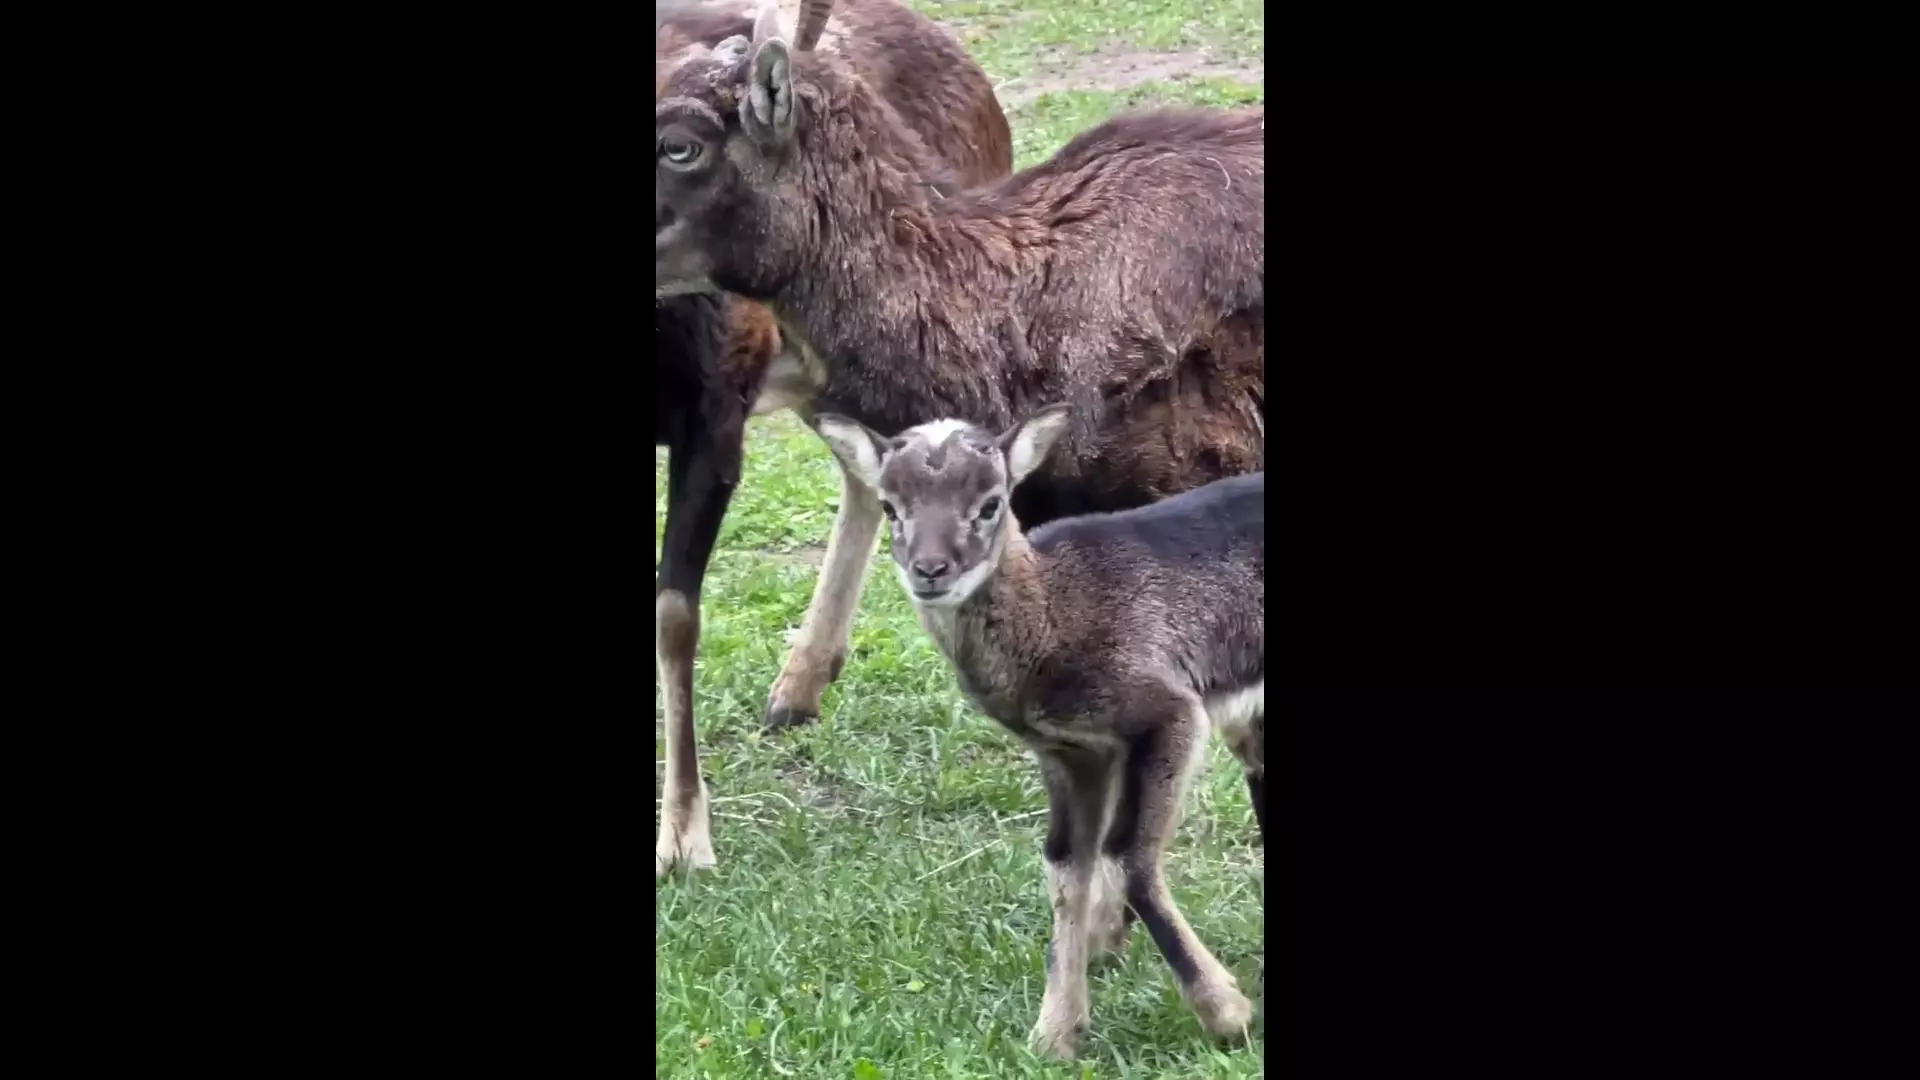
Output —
<point x="1124" y="276"/>
<point x="719" y="357"/>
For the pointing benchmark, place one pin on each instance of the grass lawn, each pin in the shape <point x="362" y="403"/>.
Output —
<point x="878" y="909"/>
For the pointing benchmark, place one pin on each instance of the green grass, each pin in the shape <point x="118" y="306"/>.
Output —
<point x="1008" y="37"/>
<point x="879" y="910"/>
<point x="1043" y="126"/>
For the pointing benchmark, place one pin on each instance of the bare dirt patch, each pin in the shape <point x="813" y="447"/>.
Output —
<point x="807" y="558"/>
<point x="1119" y="67"/>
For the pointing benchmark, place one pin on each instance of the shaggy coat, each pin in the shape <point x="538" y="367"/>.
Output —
<point x="717" y="358"/>
<point x="1124" y="277"/>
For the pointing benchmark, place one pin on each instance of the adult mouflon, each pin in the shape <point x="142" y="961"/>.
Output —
<point x="718" y="358"/>
<point x="1125" y="275"/>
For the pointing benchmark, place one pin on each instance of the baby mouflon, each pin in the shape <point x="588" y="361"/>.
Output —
<point x="1110" y="644"/>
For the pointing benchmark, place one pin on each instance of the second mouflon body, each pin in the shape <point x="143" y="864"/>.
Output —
<point x="1110" y="644"/>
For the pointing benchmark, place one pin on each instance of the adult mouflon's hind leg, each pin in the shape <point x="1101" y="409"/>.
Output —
<point x="1160" y="764"/>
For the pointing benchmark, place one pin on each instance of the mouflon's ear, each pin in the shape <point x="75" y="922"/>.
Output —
<point x="766" y="112"/>
<point x="1026" y="443"/>
<point x="860" y="449"/>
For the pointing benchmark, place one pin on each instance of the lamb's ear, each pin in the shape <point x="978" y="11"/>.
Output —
<point x="858" y="447"/>
<point x="1026" y="443"/>
<point x="766" y="113"/>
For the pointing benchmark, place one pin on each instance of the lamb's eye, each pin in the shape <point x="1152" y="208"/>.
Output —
<point x="679" y="151"/>
<point x="887" y="509"/>
<point x="989" y="508"/>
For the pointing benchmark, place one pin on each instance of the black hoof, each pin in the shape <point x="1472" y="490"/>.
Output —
<point x="779" y="716"/>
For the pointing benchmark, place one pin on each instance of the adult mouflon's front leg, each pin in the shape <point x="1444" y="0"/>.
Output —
<point x="820" y="648"/>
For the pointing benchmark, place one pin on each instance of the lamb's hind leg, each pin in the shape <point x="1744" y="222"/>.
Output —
<point x="1160" y="764"/>
<point x="697" y="498"/>
<point x="1110" y="919"/>
<point x="1241" y="719"/>
<point x="821" y="646"/>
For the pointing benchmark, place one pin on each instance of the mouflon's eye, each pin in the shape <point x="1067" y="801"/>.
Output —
<point x="679" y="151"/>
<point x="989" y="508"/>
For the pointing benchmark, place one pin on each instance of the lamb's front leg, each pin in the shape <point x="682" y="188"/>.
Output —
<point x="1076" y="805"/>
<point x="821" y="646"/>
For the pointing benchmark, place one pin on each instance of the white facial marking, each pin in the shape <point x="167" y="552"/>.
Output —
<point x="963" y="586"/>
<point x="938" y="431"/>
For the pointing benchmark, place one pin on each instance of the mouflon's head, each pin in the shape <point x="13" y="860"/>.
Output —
<point x="943" y="487"/>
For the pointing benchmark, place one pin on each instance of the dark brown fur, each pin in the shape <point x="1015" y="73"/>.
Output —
<point x="714" y="355"/>
<point x="911" y="63"/>
<point x="1124" y="276"/>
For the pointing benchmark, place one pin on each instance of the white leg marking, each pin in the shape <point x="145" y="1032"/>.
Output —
<point x="823" y="633"/>
<point x="1064" y="1009"/>
<point x="684" y="830"/>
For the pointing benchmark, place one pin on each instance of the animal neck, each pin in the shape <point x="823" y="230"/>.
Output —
<point x="1000" y="632"/>
<point x="876" y="288"/>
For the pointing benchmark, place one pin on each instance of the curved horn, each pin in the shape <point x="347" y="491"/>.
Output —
<point x="813" y="20"/>
<point x="767" y="26"/>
